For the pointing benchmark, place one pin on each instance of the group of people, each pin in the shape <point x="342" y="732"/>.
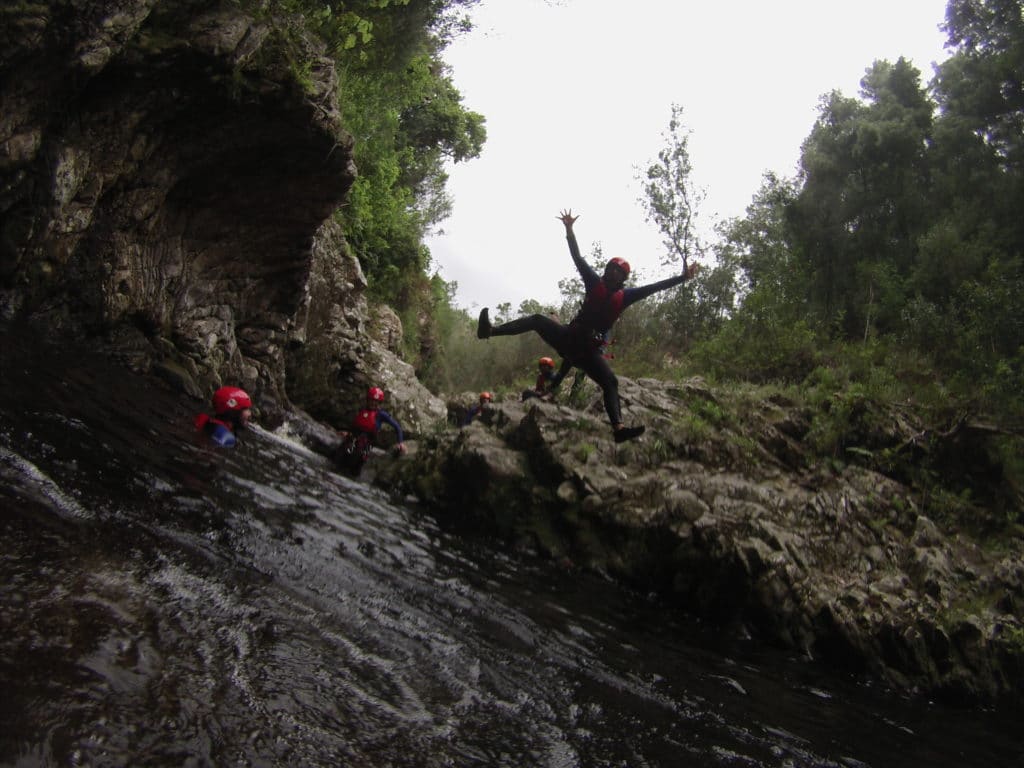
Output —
<point x="232" y="410"/>
<point x="581" y="344"/>
<point x="544" y="389"/>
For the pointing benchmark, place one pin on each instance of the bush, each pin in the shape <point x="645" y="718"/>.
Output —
<point x="751" y="350"/>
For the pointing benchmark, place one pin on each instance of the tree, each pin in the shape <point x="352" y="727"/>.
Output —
<point x="768" y="335"/>
<point x="862" y="206"/>
<point x="407" y="120"/>
<point x="971" y="275"/>
<point x="760" y="246"/>
<point x="671" y="200"/>
<point x="983" y="83"/>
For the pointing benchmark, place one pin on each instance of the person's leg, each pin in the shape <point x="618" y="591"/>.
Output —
<point x="552" y="332"/>
<point x="576" y="390"/>
<point x="563" y="370"/>
<point x="597" y="368"/>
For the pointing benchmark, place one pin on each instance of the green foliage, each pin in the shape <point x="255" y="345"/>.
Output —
<point x="710" y="412"/>
<point x="463" y="362"/>
<point x="982" y="84"/>
<point x="580" y="390"/>
<point x="844" y="421"/>
<point x="857" y="397"/>
<point x="406" y="118"/>
<point x="947" y="507"/>
<point x="757" y="344"/>
<point x="670" y="198"/>
<point x="1013" y="637"/>
<point x="409" y="124"/>
<point x="691" y="427"/>
<point x="584" y="451"/>
<point x="858" y="216"/>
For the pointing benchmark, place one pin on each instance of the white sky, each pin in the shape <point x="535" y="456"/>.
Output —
<point x="577" y="95"/>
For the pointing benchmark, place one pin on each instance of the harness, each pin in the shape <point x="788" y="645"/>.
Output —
<point x="600" y="310"/>
<point x="354" y="452"/>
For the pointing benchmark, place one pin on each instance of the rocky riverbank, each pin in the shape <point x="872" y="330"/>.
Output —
<point x="739" y="523"/>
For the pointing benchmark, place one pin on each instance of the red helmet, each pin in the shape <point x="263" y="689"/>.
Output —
<point x="546" y="361"/>
<point x="485" y="396"/>
<point x="620" y="263"/>
<point x="376" y="394"/>
<point x="230" y="399"/>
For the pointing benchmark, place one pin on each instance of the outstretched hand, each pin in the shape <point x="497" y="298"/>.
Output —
<point x="690" y="272"/>
<point x="567" y="218"/>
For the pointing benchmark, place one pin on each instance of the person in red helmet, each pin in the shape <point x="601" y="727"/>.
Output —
<point x="547" y="380"/>
<point x="485" y="400"/>
<point x="582" y="342"/>
<point x="357" y="441"/>
<point x="232" y="408"/>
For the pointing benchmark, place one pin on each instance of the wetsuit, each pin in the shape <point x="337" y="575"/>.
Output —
<point x="220" y="429"/>
<point x="582" y="342"/>
<point x="369" y="421"/>
<point x="355" y="448"/>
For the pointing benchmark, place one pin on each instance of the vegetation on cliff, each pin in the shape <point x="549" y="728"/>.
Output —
<point x="407" y="120"/>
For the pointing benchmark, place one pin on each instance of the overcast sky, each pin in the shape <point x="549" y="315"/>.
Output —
<point x="577" y="95"/>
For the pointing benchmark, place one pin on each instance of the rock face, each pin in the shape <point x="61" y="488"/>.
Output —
<point x="736" y="523"/>
<point x="168" y="183"/>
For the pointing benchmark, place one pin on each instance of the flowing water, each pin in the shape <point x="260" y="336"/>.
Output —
<point x="166" y="604"/>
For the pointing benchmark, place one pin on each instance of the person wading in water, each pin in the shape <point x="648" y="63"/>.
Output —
<point x="582" y="342"/>
<point x="232" y="409"/>
<point x="357" y="442"/>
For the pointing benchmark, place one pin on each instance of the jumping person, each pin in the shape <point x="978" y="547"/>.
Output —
<point x="582" y="342"/>
<point x="357" y="441"/>
<point x="232" y="408"/>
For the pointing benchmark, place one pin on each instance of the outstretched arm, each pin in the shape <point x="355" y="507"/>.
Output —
<point x="632" y="295"/>
<point x="586" y="271"/>
<point x="387" y="417"/>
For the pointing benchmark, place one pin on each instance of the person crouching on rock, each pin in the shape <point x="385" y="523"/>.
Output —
<point x="478" y="409"/>
<point x="547" y="380"/>
<point x="359" y="439"/>
<point x="232" y="408"/>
